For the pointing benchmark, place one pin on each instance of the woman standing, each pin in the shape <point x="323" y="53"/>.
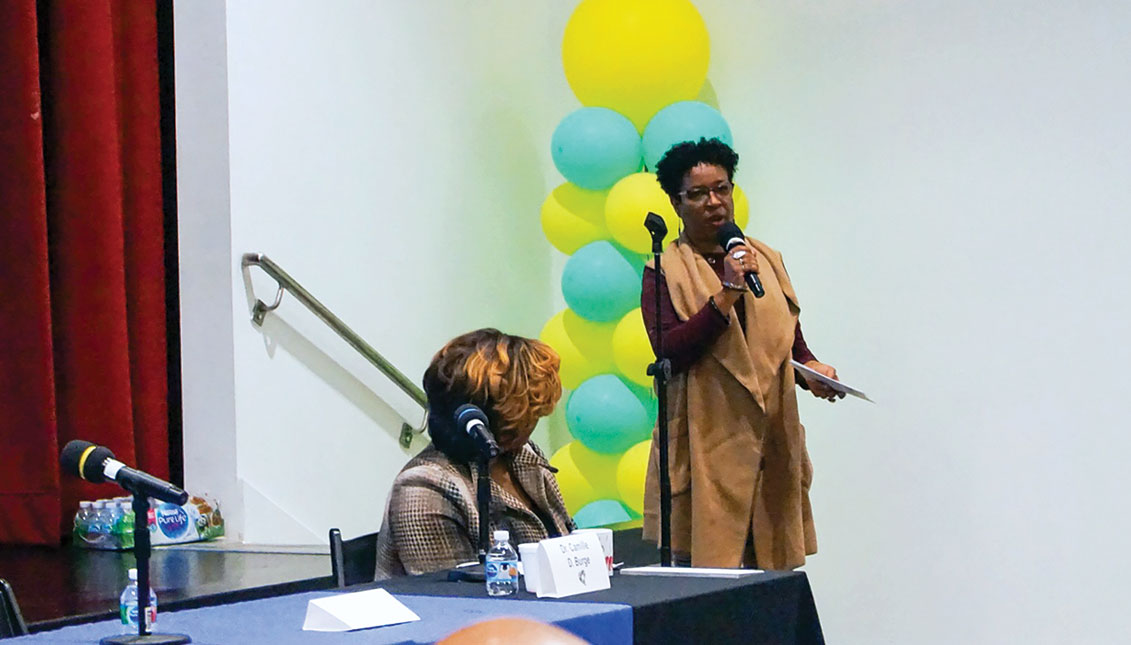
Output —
<point x="740" y="472"/>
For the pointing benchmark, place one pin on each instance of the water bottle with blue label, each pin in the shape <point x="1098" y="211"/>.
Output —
<point x="502" y="566"/>
<point x="128" y="606"/>
<point x="99" y="530"/>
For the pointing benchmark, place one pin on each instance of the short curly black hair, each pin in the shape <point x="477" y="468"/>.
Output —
<point x="682" y="157"/>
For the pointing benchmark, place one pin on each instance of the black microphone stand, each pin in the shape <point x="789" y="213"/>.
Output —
<point x="661" y="370"/>
<point x="483" y="501"/>
<point x="488" y="449"/>
<point x="141" y="554"/>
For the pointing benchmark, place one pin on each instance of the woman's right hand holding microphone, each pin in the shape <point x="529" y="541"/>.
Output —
<point x="739" y="261"/>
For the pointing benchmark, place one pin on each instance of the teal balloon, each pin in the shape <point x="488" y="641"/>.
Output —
<point x="594" y="147"/>
<point x="679" y="122"/>
<point x="605" y="415"/>
<point x="602" y="512"/>
<point x="601" y="281"/>
<point x="647" y="398"/>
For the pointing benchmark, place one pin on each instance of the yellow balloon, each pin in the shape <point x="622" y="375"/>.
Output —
<point x="585" y="347"/>
<point x="631" y="524"/>
<point x="741" y="208"/>
<point x="632" y="351"/>
<point x="573" y="217"/>
<point x="629" y="201"/>
<point x="635" y="56"/>
<point x="584" y="476"/>
<point x="631" y="469"/>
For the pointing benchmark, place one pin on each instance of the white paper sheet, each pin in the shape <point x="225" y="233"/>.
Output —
<point x="359" y="610"/>
<point x="688" y="572"/>
<point x="839" y="386"/>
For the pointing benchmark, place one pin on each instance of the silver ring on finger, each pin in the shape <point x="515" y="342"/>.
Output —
<point x="738" y="255"/>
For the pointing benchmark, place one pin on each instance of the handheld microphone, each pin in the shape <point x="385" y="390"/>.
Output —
<point x="730" y="236"/>
<point x="97" y="464"/>
<point x="473" y="421"/>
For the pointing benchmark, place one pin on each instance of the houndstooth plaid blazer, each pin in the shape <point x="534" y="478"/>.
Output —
<point x="432" y="522"/>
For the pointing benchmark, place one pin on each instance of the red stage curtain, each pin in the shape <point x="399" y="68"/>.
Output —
<point x="82" y="306"/>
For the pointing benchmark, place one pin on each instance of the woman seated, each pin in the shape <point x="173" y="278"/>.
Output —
<point x="431" y="520"/>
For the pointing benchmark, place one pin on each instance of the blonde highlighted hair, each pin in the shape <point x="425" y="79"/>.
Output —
<point x="513" y="379"/>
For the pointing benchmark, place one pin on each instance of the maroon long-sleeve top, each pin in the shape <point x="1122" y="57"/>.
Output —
<point x="685" y="341"/>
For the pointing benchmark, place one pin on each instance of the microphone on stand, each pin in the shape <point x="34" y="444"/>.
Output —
<point x="661" y="371"/>
<point x="473" y="421"/>
<point x="97" y="464"/>
<point x="730" y="236"/>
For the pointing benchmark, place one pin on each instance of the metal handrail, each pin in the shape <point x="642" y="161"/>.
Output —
<point x="287" y="283"/>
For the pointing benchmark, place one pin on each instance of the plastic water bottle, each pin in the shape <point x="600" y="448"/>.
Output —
<point x="124" y="526"/>
<point x="82" y="522"/>
<point x="113" y="519"/>
<point x="99" y="526"/>
<point x="128" y="604"/>
<point x="502" y="566"/>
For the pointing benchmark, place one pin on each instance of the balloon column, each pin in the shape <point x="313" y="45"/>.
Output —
<point x="636" y="66"/>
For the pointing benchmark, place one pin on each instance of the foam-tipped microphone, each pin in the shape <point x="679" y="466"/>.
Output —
<point x="730" y="236"/>
<point x="469" y="412"/>
<point x="473" y="421"/>
<point x="85" y="459"/>
<point x="97" y="464"/>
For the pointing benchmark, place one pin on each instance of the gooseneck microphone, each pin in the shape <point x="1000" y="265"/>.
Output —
<point x="730" y="236"/>
<point x="473" y="421"/>
<point x="97" y="464"/>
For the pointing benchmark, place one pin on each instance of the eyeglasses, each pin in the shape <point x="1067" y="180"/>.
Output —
<point x="700" y="194"/>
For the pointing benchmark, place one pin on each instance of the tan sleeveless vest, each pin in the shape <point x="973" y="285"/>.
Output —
<point x="736" y="447"/>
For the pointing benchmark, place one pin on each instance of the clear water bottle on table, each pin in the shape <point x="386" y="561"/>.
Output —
<point x="502" y="566"/>
<point x="82" y="522"/>
<point x="128" y="606"/>
<point x="99" y="526"/>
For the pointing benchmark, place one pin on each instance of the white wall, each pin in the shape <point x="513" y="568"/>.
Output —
<point x="948" y="184"/>
<point x="947" y="181"/>
<point x="206" y="268"/>
<point x="392" y="157"/>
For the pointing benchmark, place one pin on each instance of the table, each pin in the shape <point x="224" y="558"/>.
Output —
<point x="772" y="607"/>
<point x="279" y="621"/>
<point x="57" y="586"/>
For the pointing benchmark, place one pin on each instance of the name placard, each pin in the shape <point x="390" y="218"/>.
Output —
<point x="357" y="610"/>
<point x="571" y="565"/>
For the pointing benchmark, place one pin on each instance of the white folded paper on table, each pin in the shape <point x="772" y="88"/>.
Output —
<point x="833" y="383"/>
<point x="571" y="565"/>
<point x="688" y="572"/>
<point x="358" y="610"/>
<point x="605" y="536"/>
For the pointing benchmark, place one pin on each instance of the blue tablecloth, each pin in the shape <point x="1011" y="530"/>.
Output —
<point x="279" y="620"/>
